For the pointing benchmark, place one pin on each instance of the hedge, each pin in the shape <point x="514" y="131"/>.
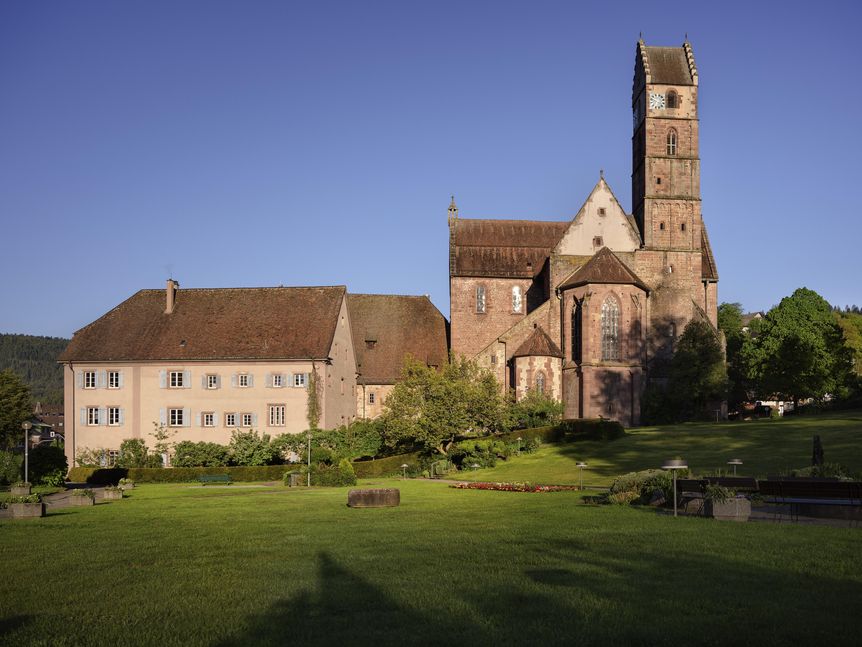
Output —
<point x="389" y="466"/>
<point x="571" y="430"/>
<point x="111" y="476"/>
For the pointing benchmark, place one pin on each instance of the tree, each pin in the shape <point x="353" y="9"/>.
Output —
<point x="535" y="409"/>
<point x="730" y="323"/>
<point x="799" y="351"/>
<point x="163" y="445"/>
<point x="313" y="402"/>
<point x="432" y="408"/>
<point x="698" y="375"/>
<point x="133" y="453"/>
<point x="16" y="406"/>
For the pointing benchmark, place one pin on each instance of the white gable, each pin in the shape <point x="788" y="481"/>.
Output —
<point x="601" y="222"/>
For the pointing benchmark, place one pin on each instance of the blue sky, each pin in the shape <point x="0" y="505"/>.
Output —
<point x="287" y="143"/>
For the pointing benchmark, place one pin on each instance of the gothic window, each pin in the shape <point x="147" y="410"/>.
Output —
<point x="610" y="329"/>
<point x="672" y="99"/>
<point x="671" y="142"/>
<point x="577" y="331"/>
<point x="540" y="382"/>
<point x="516" y="298"/>
<point x="480" y="298"/>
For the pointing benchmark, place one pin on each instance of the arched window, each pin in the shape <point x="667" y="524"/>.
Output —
<point x="671" y="142"/>
<point x="610" y="329"/>
<point x="540" y="382"/>
<point x="672" y="100"/>
<point x="577" y="331"/>
<point x="516" y="299"/>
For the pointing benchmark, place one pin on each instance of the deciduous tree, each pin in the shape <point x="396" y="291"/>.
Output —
<point x="16" y="406"/>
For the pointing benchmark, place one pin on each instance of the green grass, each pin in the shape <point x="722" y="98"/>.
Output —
<point x="766" y="447"/>
<point x="181" y="565"/>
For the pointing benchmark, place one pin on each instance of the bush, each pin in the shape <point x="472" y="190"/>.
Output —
<point x="57" y="478"/>
<point x="643" y="484"/>
<point x="535" y="410"/>
<point x="247" y="448"/>
<point x="623" y="498"/>
<point x="133" y="453"/>
<point x="202" y="454"/>
<point x="46" y="460"/>
<point x="11" y="467"/>
<point x="340" y="475"/>
<point x="824" y="471"/>
<point x="389" y="466"/>
<point x="112" y="476"/>
<point x="570" y="431"/>
<point x="482" y="452"/>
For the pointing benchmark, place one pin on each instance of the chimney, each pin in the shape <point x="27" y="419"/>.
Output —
<point x="171" y="291"/>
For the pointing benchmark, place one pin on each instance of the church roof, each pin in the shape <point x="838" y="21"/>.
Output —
<point x="538" y="344"/>
<point x="604" y="267"/>
<point x="668" y="65"/>
<point x="502" y="248"/>
<point x="387" y="327"/>
<point x="214" y="323"/>
<point x="708" y="268"/>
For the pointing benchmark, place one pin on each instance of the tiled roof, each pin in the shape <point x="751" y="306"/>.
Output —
<point x="387" y="327"/>
<point x="214" y="323"/>
<point x="668" y="65"/>
<point x="538" y="344"/>
<point x="708" y="269"/>
<point x="604" y="267"/>
<point x="503" y="248"/>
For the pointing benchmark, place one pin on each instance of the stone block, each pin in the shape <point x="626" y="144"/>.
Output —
<point x="374" y="498"/>
<point x="26" y="510"/>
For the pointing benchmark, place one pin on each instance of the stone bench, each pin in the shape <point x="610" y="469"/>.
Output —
<point x="374" y="498"/>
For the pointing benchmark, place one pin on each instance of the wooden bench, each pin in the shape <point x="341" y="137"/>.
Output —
<point x="799" y="492"/>
<point x="214" y="478"/>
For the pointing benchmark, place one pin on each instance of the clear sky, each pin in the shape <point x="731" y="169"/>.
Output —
<point x="252" y="143"/>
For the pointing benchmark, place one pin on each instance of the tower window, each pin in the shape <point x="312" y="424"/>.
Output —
<point x="661" y="226"/>
<point x="540" y="382"/>
<point x="682" y="227"/>
<point x="517" y="299"/>
<point x="671" y="142"/>
<point x="658" y="180"/>
<point x="597" y="241"/>
<point x="480" y="299"/>
<point x="577" y="331"/>
<point x="672" y="99"/>
<point x="610" y="329"/>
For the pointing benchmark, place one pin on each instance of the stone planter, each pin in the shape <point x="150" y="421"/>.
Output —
<point x="374" y="498"/>
<point x="112" y="495"/>
<point x="21" y="490"/>
<point x="26" y="510"/>
<point x="126" y="486"/>
<point x="80" y="501"/>
<point x="730" y="510"/>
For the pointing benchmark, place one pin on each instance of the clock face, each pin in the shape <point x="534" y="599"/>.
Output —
<point x="656" y="101"/>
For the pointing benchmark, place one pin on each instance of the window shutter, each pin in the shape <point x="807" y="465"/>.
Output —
<point x="120" y="379"/>
<point x="233" y="380"/>
<point x="163" y="379"/>
<point x="305" y="379"/>
<point x="187" y="379"/>
<point x="163" y="416"/>
<point x="268" y="380"/>
<point x="250" y="380"/>
<point x="187" y="417"/>
<point x="83" y="415"/>
<point x="122" y="416"/>
<point x="204" y="381"/>
<point x="284" y="379"/>
<point x="199" y="419"/>
<point x="103" y="416"/>
<point x="218" y="381"/>
<point x="289" y="380"/>
<point x="254" y="420"/>
<point x="79" y="380"/>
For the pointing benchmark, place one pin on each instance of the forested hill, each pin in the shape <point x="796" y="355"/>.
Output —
<point x="35" y="360"/>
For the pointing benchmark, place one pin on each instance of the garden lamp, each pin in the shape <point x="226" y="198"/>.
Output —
<point x="581" y="465"/>
<point x="673" y="465"/>
<point x="26" y="426"/>
<point x="404" y="471"/>
<point x="519" y="445"/>
<point x="734" y="462"/>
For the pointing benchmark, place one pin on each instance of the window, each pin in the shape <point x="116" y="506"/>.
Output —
<point x="370" y="343"/>
<point x="93" y="417"/>
<point x="177" y="381"/>
<point x="597" y="241"/>
<point x="278" y="380"/>
<point x="212" y="381"/>
<point x="113" y="379"/>
<point x="114" y="416"/>
<point x="247" y="420"/>
<point x="672" y="99"/>
<point x="602" y="211"/>
<point x="516" y="298"/>
<point x="661" y="226"/>
<point x="671" y="142"/>
<point x="658" y="180"/>
<point x="480" y="299"/>
<point x="112" y="457"/>
<point x="577" y="331"/>
<point x="243" y="380"/>
<point x="208" y="419"/>
<point x="370" y="398"/>
<point x="540" y="382"/>
<point x="90" y="379"/>
<point x="610" y="329"/>
<point x="276" y="415"/>
<point x="230" y="420"/>
<point x="176" y="418"/>
<point x="682" y="227"/>
<point x="300" y="379"/>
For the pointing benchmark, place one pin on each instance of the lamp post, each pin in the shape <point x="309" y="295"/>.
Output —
<point x="581" y="465"/>
<point x="26" y="426"/>
<point x="734" y="462"/>
<point x="404" y="472"/>
<point x="673" y="465"/>
<point x="475" y="466"/>
<point x="309" y="458"/>
<point x="519" y="445"/>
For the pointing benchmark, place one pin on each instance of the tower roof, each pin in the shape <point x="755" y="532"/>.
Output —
<point x="669" y="65"/>
<point x="604" y="267"/>
<point x="538" y="344"/>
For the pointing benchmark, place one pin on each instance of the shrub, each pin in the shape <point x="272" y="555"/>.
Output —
<point x="11" y="465"/>
<point x="45" y="461"/>
<point x="824" y="471"/>
<point x="90" y="457"/>
<point x="250" y="449"/>
<point x="202" y="454"/>
<point x="133" y="453"/>
<point x="340" y="475"/>
<point x="389" y="466"/>
<point x="623" y="498"/>
<point x="643" y="484"/>
<point x="718" y="493"/>
<point x="84" y="493"/>
<point x="535" y="410"/>
<point x="57" y="478"/>
<point x="27" y="498"/>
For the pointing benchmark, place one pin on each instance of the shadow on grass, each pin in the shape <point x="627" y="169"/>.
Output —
<point x="10" y="624"/>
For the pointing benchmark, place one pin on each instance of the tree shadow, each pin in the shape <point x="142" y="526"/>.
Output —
<point x="10" y="624"/>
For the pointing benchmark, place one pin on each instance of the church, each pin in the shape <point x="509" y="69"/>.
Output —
<point x="589" y="310"/>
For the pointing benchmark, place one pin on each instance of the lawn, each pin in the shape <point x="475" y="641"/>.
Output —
<point x="184" y="565"/>
<point x="766" y="447"/>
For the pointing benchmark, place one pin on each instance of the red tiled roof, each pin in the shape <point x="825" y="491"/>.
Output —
<point x="214" y="323"/>
<point x="538" y="344"/>
<point x="604" y="267"/>
<point x="668" y="65"/>
<point x="708" y="269"/>
<point x="503" y="248"/>
<point x="387" y="327"/>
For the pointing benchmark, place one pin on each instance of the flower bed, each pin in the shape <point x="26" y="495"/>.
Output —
<point x="513" y="487"/>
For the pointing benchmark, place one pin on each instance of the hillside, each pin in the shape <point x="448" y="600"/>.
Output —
<point x="35" y="360"/>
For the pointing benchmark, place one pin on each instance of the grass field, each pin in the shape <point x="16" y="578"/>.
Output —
<point x="766" y="447"/>
<point x="185" y="565"/>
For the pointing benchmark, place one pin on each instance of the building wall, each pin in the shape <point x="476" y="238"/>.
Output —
<point x="365" y="408"/>
<point x="526" y="370"/>
<point x="471" y="331"/>
<point x="339" y="396"/>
